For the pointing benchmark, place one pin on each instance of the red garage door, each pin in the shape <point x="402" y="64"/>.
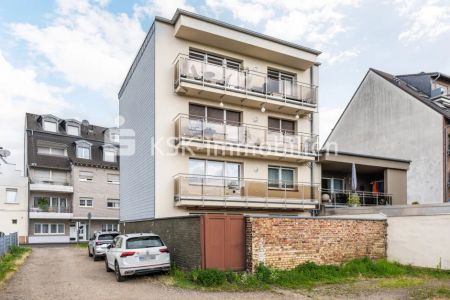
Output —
<point x="223" y="239"/>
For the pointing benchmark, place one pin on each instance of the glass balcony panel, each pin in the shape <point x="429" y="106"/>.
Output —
<point x="234" y="79"/>
<point x="256" y="83"/>
<point x="214" y="74"/>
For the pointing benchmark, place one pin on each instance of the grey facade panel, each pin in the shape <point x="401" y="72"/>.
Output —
<point x="137" y="107"/>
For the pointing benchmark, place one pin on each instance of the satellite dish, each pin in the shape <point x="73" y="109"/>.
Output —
<point x="4" y="153"/>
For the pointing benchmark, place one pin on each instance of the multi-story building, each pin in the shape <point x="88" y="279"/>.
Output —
<point x="13" y="199"/>
<point x="73" y="172"/>
<point x="403" y="117"/>
<point x="224" y="121"/>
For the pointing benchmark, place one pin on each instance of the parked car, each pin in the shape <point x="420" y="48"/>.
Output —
<point x="137" y="253"/>
<point x="99" y="242"/>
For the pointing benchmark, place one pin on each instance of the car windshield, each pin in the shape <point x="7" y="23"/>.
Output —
<point x="144" y="242"/>
<point x="107" y="237"/>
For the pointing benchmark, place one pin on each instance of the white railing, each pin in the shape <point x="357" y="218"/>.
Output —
<point x="340" y="198"/>
<point x="244" y="81"/>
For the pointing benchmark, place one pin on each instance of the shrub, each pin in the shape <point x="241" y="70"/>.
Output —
<point x="264" y="274"/>
<point x="208" y="277"/>
<point x="353" y="200"/>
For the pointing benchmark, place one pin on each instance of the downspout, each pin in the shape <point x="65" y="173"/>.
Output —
<point x="446" y="149"/>
<point x="311" y="127"/>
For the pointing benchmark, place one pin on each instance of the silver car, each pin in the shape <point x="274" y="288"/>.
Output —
<point x="99" y="242"/>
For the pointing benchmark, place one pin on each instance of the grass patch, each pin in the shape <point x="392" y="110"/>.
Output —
<point x="83" y="245"/>
<point x="8" y="262"/>
<point x="429" y="293"/>
<point x="308" y="275"/>
<point x="402" y="282"/>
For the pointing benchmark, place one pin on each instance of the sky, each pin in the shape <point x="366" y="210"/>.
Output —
<point x="69" y="57"/>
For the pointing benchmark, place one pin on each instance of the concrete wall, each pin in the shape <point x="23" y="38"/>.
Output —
<point x="419" y="240"/>
<point x="382" y="120"/>
<point x="98" y="189"/>
<point x="181" y="235"/>
<point x="284" y="243"/>
<point x="10" y="178"/>
<point x="395" y="183"/>
<point x="137" y="107"/>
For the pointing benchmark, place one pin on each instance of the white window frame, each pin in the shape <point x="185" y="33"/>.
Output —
<point x="82" y="150"/>
<point x="73" y="126"/>
<point x="112" y="182"/>
<point x="41" y="225"/>
<point x="332" y="188"/>
<point x="85" y="177"/>
<point x="116" y="203"/>
<point x="12" y="190"/>
<point x="51" y="151"/>
<point x="46" y="123"/>
<point x="280" y="177"/>
<point x="110" y="227"/>
<point x="110" y="151"/>
<point x="86" y="199"/>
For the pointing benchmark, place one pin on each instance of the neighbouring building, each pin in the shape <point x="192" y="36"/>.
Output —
<point x="73" y="170"/>
<point x="224" y="121"/>
<point x="13" y="200"/>
<point x="402" y="120"/>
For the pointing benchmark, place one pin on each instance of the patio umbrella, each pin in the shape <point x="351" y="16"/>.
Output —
<point x="354" y="179"/>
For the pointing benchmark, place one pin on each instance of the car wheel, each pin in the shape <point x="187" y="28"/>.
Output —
<point x="119" y="277"/>
<point x="89" y="251"/>
<point x="106" y="265"/>
<point x="95" y="256"/>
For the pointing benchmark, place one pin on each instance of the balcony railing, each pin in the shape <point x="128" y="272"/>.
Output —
<point x="230" y="191"/>
<point x="244" y="81"/>
<point x="340" y="198"/>
<point x="52" y="181"/>
<point x="51" y="209"/>
<point x="238" y="134"/>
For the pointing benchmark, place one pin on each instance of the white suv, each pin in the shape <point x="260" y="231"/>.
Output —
<point x="98" y="243"/>
<point x="137" y="253"/>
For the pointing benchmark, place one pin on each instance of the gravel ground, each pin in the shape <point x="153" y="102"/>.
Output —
<point x="55" y="273"/>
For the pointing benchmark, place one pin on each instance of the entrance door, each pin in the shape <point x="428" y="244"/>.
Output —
<point x="73" y="231"/>
<point x="82" y="232"/>
<point x="223" y="242"/>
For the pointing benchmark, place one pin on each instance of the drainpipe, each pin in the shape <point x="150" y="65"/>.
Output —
<point x="311" y="126"/>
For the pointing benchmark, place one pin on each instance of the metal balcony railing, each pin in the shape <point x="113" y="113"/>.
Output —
<point x="244" y="81"/>
<point x="51" y="209"/>
<point x="257" y="137"/>
<point x="340" y="198"/>
<point x="52" y="181"/>
<point x="202" y="188"/>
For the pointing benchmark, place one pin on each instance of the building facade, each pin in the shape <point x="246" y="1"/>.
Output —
<point x="13" y="201"/>
<point x="73" y="172"/>
<point x="402" y="117"/>
<point x="222" y="119"/>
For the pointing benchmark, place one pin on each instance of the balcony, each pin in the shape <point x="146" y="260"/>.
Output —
<point x="212" y="136"/>
<point x="339" y="198"/>
<point x="226" y="192"/>
<point x="51" y="212"/>
<point x="45" y="184"/>
<point x="242" y="87"/>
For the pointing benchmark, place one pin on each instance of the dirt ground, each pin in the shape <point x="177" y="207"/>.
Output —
<point x="66" y="272"/>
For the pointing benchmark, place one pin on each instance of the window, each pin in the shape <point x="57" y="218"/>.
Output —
<point x="110" y="227"/>
<point x="50" y="126"/>
<point x="84" y="152"/>
<point x="213" y="172"/>
<point x="280" y="82"/>
<point x="109" y="155"/>
<point x="282" y="126"/>
<point x="73" y="130"/>
<point x="53" y="204"/>
<point x="333" y="185"/>
<point x="55" y="151"/>
<point x="11" y="195"/>
<point x="214" y="59"/>
<point x="49" y="228"/>
<point x="50" y="176"/>
<point x="113" y="203"/>
<point x="86" y="202"/>
<point x="86" y="176"/>
<point x="144" y="242"/>
<point x="281" y="177"/>
<point x="14" y="221"/>
<point x="113" y="178"/>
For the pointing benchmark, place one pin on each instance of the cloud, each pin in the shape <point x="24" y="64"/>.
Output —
<point x="162" y="8"/>
<point x="252" y="12"/>
<point x="425" y="20"/>
<point x="91" y="47"/>
<point x="339" y="57"/>
<point x="21" y="92"/>
<point x="327" y="119"/>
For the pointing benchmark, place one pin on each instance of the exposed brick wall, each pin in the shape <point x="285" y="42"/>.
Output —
<point x="181" y="235"/>
<point x="287" y="242"/>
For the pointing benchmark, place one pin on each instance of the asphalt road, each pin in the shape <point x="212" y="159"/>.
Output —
<point x="54" y="273"/>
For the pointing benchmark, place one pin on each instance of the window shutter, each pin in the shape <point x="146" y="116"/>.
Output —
<point x="196" y="110"/>
<point x="274" y="123"/>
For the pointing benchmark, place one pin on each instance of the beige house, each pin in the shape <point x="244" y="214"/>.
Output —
<point x="13" y="201"/>
<point x="223" y="120"/>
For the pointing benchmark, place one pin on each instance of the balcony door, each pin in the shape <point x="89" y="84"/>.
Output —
<point x="215" y="173"/>
<point x="282" y="83"/>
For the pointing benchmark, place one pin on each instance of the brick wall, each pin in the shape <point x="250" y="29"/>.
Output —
<point x="287" y="242"/>
<point x="181" y="235"/>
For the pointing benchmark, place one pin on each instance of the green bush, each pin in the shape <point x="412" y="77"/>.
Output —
<point x="8" y="262"/>
<point x="353" y="200"/>
<point x="208" y="277"/>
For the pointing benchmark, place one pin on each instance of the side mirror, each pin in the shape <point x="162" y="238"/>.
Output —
<point x="109" y="246"/>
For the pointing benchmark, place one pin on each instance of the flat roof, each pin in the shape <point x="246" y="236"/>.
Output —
<point x="364" y="156"/>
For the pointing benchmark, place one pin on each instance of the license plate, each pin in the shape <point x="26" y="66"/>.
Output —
<point x="147" y="257"/>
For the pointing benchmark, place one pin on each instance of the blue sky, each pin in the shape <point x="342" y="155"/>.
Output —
<point x="69" y="57"/>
